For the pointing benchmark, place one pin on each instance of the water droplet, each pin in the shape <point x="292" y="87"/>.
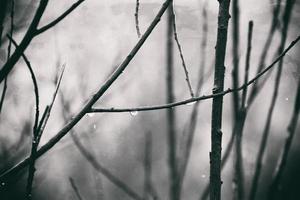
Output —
<point x="91" y="114"/>
<point x="34" y="141"/>
<point x="134" y="113"/>
<point x="94" y="126"/>
<point x="203" y="176"/>
<point x="191" y="103"/>
<point x="287" y="99"/>
<point x="2" y="183"/>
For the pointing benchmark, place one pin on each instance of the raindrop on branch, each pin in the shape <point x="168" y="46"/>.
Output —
<point x="90" y="114"/>
<point x="134" y="113"/>
<point x="191" y="103"/>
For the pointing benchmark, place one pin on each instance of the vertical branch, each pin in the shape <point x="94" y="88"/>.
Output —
<point x="147" y="165"/>
<point x="2" y="9"/>
<point x="275" y="186"/>
<point x="262" y="147"/>
<point x="180" y="51"/>
<point x="136" y="15"/>
<point x="3" y="6"/>
<point x="235" y="53"/>
<point x="217" y="105"/>
<point x="171" y="130"/>
<point x="247" y="63"/>
<point x="239" y="114"/>
<point x="264" y="54"/>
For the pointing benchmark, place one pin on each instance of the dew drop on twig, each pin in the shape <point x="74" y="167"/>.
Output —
<point x="191" y="103"/>
<point x="90" y="114"/>
<point x="134" y="113"/>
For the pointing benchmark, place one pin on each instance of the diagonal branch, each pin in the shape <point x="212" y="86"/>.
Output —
<point x="30" y="34"/>
<point x="180" y="51"/>
<point x="58" y="19"/>
<point x="53" y="141"/>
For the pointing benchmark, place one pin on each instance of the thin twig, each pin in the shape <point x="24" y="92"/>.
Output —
<point x="235" y="53"/>
<point x="239" y="113"/>
<point x="3" y="6"/>
<point x="58" y="19"/>
<point x="8" y="66"/>
<point x="34" y="144"/>
<point x="180" y="51"/>
<point x="54" y="140"/>
<point x="75" y="188"/>
<point x="33" y="31"/>
<point x="265" y="135"/>
<point x="247" y="62"/>
<point x="256" y="88"/>
<point x="136" y="15"/>
<point x="200" y="98"/>
<point x="8" y="48"/>
<point x="58" y="82"/>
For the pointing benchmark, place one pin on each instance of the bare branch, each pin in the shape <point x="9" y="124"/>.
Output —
<point x="265" y="135"/>
<point x="275" y="185"/>
<point x="53" y="141"/>
<point x="58" y="19"/>
<point x="180" y="52"/>
<point x="31" y="32"/>
<point x="200" y="98"/>
<point x="247" y="63"/>
<point x="217" y="104"/>
<point x="34" y="144"/>
<point x="267" y="45"/>
<point x="9" y="46"/>
<point x="136" y="15"/>
<point x="171" y="114"/>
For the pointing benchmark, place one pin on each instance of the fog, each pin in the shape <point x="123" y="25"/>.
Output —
<point x="91" y="42"/>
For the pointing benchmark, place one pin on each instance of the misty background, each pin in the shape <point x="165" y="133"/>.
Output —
<point x="91" y="42"/>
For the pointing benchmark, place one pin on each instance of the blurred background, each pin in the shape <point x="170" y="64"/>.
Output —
<point x="91" y="42"/>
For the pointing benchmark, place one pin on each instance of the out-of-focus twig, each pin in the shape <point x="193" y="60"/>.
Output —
<point x="180" y="50"/>
<point x="3" y="3"/>
<point x="274" y="24"/>
<point x="32" y="32"/>
<point x="190" y="127"/>
<point x="286" y="19"/>
<point x="171" y="115"/>
<point x="275" y="185"/>
<point x="75" y="188"/>
<point x="34" y="144"/>
<point x="136" y="15"/>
